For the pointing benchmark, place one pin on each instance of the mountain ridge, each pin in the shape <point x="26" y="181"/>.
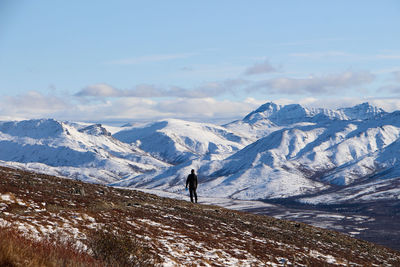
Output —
<point x="274" y="144"/>
<point x="311" y="162"/>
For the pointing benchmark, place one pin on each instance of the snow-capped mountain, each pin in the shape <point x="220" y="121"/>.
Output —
<point x="273" y="152"/>
<point x="177" y="141"/>
<point x="295" y="113"/>
<point x="271" y="117"/>
<point x="300" y="151"/>
<point x="85" y="152"/>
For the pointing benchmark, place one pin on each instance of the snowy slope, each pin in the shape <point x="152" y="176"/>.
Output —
<point x="301" y="159"/>
<point x="177" y="141"/>
<point x="273" y="152"/>
<point x="271" y="117"/>
<point x="303" y="151"/>
<point x="73" y="150"/>
<point x="365" y="192"/>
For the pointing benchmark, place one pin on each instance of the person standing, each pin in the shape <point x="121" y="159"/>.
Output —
<point x="192" y="182"/>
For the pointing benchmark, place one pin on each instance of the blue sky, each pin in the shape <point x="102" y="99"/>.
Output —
<point x="197" y="60"/>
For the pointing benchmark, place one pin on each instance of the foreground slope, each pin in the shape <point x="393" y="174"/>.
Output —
<point x="178" y="232"/>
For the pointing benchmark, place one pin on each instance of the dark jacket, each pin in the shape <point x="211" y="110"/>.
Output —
<point x="191" y="181"/>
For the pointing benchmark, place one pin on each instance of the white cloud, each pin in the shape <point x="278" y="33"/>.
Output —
<point x="210" y="89"/>
<point x="104" y="90"/>
<point x="328" y="84"/>
<point x="100" y="90"/>
<point x="260" y="68"/>
<point x="36" y="105"/>
<point x="205" y="107"/>
<point x="118" y="109"/>
<point x="131" y="108"/>
<point x="31" y="105"/>
<point x="388" y="104"/>
<point x="254" y="102"/>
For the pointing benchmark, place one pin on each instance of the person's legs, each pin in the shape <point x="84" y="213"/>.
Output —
<point x="191" y="194"/>
<point x="195" y="194"/>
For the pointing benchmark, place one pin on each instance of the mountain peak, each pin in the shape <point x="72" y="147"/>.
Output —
<point x="280" y="115"/>
<point x="36" y="128"/>
<point x="95" y="129"/>
<point x="293" y="113"/>
<point x="362" y="111"/>
<point x="269" y="106"/>
<point x="262" y="112"/>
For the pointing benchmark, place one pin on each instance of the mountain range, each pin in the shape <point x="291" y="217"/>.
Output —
<point x="274" y="152"/>
<point x="336" y="169"/>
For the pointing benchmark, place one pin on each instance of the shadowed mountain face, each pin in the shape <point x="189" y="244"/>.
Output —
<point x="168" y="230"/>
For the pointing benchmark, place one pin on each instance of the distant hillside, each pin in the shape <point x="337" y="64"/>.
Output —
<point x="79" y="151"/>
<point x="275" y="152"/>
<point x="127" y="227"/>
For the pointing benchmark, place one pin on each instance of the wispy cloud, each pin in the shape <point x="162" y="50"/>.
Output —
<point x="396" y="75"/>
<point x="260" y="68"/>
<point x="32" y="103"/>
<point x="328" y="84"/>
<point x="36" y="105"/>
<point x="311" y="41"/>
<point x="150" y="59"/>
<point x="387" y="56"/>
<point x="210" y="89"/>
<point x="390" y="88"/>
<point x="322" y="54"/>
<point x="187" y="68"/>
<point x="99" y="90"/>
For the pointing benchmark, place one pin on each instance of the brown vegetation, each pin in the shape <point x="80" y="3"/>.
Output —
<point x="16" y="250"/>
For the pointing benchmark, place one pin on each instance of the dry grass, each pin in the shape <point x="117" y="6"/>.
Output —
<point x="116" y="249"/>
<point x="16" y="250"/>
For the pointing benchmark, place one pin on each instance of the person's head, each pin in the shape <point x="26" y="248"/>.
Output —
<point x="193" y="171"/>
